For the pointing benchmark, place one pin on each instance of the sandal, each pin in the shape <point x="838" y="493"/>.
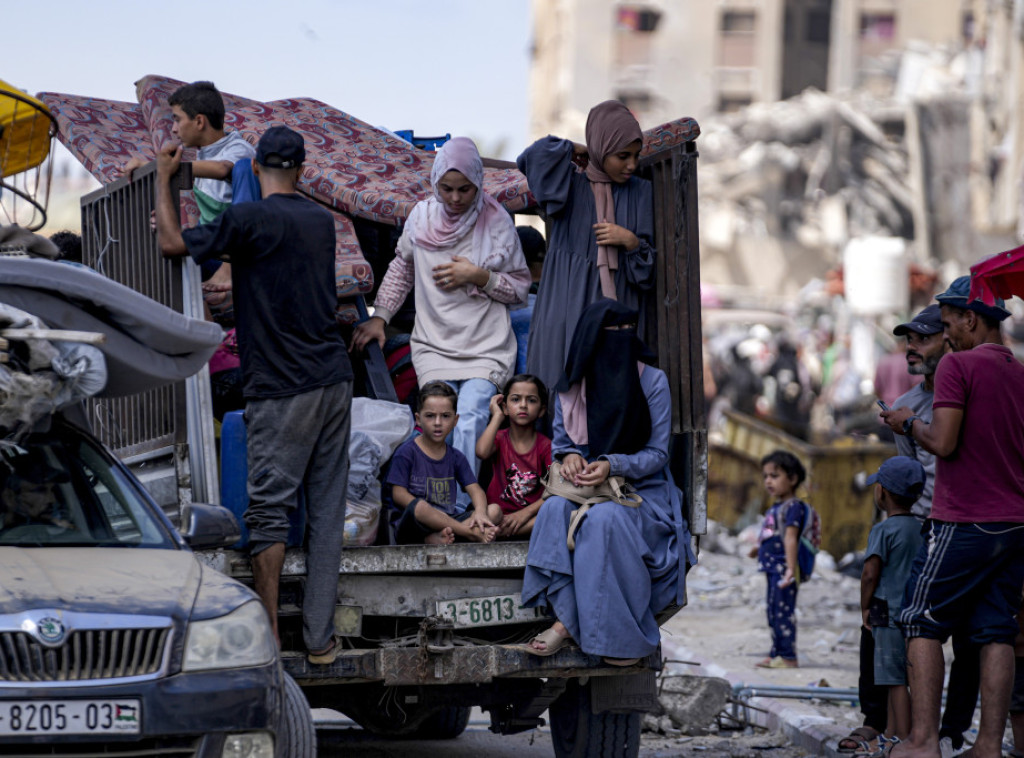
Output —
<point x="328" y="656"/>
<point x="884" y="746"/>
<point x="856" y="740"/>
<point x="778" y="663"/>
<point x="552" y="641"/>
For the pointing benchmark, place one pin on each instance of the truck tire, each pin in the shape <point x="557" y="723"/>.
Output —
<point x="446" y="724"/>
<point x="578" y="733"/>
<point x="296" y="735"/>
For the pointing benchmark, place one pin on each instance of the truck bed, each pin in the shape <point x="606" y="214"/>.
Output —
<point x="396" y="591"/>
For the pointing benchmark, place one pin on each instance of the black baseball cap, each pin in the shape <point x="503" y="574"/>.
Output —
<point x="280" y="147"/>
<point x="928" y="321"/>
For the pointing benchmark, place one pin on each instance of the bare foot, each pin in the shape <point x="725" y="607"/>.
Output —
<point x="217" y="288"/>
<point x="444" y="537"/>
<point x="476" y="534"/>
<point x="486" y="534"/>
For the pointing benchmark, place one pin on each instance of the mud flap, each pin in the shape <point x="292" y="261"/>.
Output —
<point x="624" y="694"/>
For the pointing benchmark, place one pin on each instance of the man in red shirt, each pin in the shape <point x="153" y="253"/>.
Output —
<point x="971" y="568"/>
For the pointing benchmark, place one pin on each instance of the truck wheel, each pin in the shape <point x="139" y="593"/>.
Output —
<point x="578" y="733"/>
<point x="445" y="724"/>
<point x="296" y="735"/>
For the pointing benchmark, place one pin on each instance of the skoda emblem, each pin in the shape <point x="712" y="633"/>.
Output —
<point x="50" y="631"/>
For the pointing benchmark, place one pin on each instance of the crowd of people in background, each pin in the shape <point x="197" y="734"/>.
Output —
<point x="795" y="370"/>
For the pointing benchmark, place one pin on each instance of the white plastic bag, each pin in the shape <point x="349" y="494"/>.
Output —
<point x="362" y="518"/>
<point x="378" y="428"/>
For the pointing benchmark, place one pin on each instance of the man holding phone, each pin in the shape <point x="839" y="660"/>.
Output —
<point x="925" y="348"/>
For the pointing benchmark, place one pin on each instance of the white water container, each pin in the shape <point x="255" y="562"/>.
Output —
<point x="876" y="276"/>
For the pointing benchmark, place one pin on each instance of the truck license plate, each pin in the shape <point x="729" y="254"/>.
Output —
<point x="70" y="717"/>
<point x="486" y="611"/>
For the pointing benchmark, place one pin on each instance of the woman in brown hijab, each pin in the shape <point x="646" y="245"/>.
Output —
<point x="602" y="233"/>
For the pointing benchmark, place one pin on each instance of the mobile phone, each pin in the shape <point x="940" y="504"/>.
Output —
<point x="882" y="405"/>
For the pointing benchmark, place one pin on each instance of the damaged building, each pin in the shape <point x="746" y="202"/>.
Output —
<point x="824" y="121"/>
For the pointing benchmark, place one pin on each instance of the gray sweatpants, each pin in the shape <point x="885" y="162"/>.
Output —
<point x="299" y="441"/>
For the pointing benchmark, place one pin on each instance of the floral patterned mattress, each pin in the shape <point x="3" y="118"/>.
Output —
<point x="352" y="168"/>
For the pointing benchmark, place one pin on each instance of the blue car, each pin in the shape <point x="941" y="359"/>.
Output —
<point x="114" y="638"/>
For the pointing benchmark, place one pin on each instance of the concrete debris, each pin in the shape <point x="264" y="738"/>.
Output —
<point x="736" y="582"/>
<point x="778" y="166"/>
<point x="690" y="704"/>
<point x="812" y="172"/>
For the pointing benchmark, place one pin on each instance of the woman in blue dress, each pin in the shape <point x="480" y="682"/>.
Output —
<point x="612" y="418"/>
<point x="602" y="234"/>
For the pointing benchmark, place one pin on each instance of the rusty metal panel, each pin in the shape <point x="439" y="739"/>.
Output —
<point x="416" y="596"/>
<point x="392" y="559"/>
<point x="482" y="663"/>
<point x="673" y="175"/>
<point x="470" y="664"/>
<point x="690" y="305"/>
<point x="356" y="666"/>
<point x="679" y="341"/>
<point x="416" y="666"/>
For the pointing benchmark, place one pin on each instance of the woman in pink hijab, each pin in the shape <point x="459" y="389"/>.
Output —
<point x="601" y="242"/>
<point x="461" y="251"/>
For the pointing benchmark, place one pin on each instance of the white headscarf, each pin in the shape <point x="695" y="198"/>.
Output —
<point x="431" y="225"/>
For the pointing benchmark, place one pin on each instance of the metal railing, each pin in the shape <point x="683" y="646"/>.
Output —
<point x="118" y="241"/>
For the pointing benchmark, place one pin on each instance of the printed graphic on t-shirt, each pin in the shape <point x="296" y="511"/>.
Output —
<point x="439" y="490"/>
<point x="520" y="484"/>
<point x="768" y="527"/>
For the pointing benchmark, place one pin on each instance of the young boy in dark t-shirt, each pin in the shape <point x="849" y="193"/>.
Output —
<point x="424" y="473"/>
<point x="892" y="546"/>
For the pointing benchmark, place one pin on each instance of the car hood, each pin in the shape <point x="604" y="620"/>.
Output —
<point x="99" y="580"/>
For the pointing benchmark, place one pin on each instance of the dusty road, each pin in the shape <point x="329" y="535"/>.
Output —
<point x="344" y="740"/>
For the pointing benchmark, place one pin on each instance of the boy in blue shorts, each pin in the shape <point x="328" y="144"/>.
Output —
<point x="423" y="475"/>
<point x="892" y="546"/>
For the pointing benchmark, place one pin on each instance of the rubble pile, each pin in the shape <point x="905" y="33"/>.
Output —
<point x="814" y="168"/>
<point x="727" y="577"/>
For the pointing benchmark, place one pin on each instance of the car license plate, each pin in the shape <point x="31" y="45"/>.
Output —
<point x="70" y="717"/>
<point x="486" y="611"/>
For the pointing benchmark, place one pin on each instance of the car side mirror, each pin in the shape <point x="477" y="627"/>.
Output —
<point x="205" y="526"/>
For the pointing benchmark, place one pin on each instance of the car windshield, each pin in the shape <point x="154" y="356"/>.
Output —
<point x="60" y="489"/>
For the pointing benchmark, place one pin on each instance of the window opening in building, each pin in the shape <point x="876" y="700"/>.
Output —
<point x="878" y="27"/>
<point x="636" y="18"/>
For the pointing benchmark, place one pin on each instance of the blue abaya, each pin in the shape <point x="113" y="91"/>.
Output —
<point x="629" y="563"/>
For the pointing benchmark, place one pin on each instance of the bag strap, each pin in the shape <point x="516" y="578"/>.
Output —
<point x="622" y="497"/>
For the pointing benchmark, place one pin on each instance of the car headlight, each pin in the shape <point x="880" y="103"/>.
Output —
<point x="241" y="638"/>
<point x="248" y="745"/>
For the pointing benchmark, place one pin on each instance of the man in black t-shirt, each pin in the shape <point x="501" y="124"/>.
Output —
<point x="297" y="380"/>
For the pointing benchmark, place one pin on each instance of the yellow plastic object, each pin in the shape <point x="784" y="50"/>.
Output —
<point x="736" y="494"/>
<point x="26" y="128"/>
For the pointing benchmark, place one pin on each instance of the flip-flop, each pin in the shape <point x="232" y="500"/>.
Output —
<point x="552" y="640"/>
<point x="883" y="747"/>
<point x="857" y="740"/>
<point x="777" y="663"/>
<point x="328" y="656"/>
